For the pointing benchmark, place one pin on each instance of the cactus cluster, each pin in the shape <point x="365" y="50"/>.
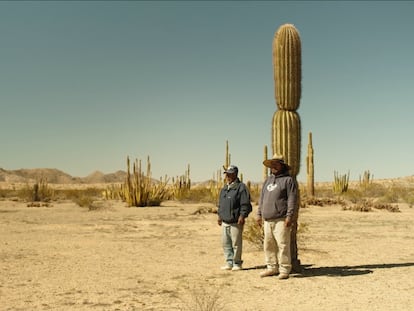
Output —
<point x="140" y="190"/>
<point x="215" y="185"/>
<point x="41" y="191"/>
<point x="366" y="180"/>
<point x="181" y="185"/>
<point x="340" y="184"/>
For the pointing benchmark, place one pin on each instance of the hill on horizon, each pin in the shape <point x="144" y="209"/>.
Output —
<point x="55" y="176"/>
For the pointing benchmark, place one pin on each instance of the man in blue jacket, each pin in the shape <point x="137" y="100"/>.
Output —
<point x="234" y="207"/>
<point x="277" y="205"/>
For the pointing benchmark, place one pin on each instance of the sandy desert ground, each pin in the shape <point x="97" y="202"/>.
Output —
<point x="65" y="257"/>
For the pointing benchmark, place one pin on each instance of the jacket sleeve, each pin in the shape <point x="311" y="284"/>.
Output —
<point x="219" y="207"/>
<point x="259" y="209"/>
<point x="245" y="202"/>
<point x="292" y="193"/>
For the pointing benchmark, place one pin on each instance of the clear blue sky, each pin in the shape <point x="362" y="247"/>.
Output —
<point x="84" y="84"/>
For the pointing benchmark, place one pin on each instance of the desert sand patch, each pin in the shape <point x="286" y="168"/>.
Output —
<point x="64" y="257"/>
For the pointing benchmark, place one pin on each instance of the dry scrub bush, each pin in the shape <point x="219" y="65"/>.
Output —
<point x="9" y="194"/>
<point x="82" y="197"/>
<point x="356" y="196"/>
<point x="366" y="205"/>
<point x="204" y="299"/>
<point x="305" y="202"/>
<point x="255" y="191"/>
<point x="382" y="195"/>
<point x="39" y="204"/>
<point x="38" y="192"/>
<point x="253" y="233"/>
<point x="197" y="195"/>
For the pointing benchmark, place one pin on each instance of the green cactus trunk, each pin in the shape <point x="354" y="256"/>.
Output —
<point x="265" y="169"/>
<point x="287" y="67"/>
<point x="227" y="156"/>
<point x="286" y="138"/>
<point x="286" y="125"/>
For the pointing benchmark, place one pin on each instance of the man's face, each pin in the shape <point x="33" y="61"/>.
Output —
<point x="276" y="167"/>
<point x="230" y="177"/>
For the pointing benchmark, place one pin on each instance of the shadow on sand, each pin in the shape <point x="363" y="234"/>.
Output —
<point x="308" y="271"/>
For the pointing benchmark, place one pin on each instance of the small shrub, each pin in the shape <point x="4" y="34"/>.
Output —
<point x="198" y="195"/>
<point x="366" y="205"/>
<point x="362" y="206"/>
<point x="10" y="194"/>
<point x="204" y="299"/>
<point x="253" y="233"/>
<point x="82" y="197"/>
<point x="83" y="201"/>
<point x="302" y="227"/>
<point x="255" y="191"/>
<point x="205" y="210"/>
<point x="388" y="207"/>
<point x="38" y="204"/>
<point x="98" y="206"/>
<point x="323" y="201"/>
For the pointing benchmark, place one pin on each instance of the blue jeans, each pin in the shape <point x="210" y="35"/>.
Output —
<point x="232" y="239"/>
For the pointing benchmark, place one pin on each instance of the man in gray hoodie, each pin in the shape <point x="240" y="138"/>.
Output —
<point x="277" y="205"/>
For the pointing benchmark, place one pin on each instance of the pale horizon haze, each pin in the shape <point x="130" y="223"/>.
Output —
<point x="84" y="84"/>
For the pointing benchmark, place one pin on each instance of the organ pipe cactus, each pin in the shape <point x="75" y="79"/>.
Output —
<point x="139" y="190"/>
<point x="286" y="125"/>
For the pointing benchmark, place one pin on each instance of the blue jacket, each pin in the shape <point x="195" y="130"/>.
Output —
<point x="234" y="201"/>
<point x="279" y="197"/>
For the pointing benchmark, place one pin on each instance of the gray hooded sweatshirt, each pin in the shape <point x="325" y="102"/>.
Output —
<point x="278" y="198"/>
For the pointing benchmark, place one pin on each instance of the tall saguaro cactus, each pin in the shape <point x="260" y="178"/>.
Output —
<point x="227" y="160"/>
<point x="265" y="169"/>
<point x="286" y="137"/>
<point x="286" y="126"/>
<point x="310" y="169"/>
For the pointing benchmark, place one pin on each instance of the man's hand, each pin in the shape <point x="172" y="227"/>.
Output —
<point x="259" y="221"/>
<point x="240" y="221"/>
<point x="288" y="221"/>
<point x="219" y="221"/>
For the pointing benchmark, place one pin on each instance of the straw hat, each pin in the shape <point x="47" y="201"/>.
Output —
<point x="276" y="158"/>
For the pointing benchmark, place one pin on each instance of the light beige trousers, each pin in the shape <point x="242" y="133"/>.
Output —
<point x="277" y="245"/>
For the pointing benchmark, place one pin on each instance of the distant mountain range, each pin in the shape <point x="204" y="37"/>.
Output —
<point x="55" y="176"/>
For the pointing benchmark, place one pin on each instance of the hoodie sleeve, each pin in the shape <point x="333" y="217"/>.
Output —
<point x="259" y="209"/>
<point x="292" y="197"/>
